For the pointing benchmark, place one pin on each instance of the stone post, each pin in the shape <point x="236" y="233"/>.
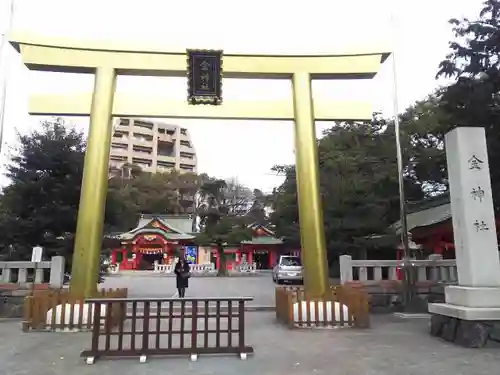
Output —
<point x="56" y="280"/>
<point x="474" y="303"/>
<point x="345" y="263"/>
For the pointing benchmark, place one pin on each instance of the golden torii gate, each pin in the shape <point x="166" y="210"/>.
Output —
<point x="107" y="60"/>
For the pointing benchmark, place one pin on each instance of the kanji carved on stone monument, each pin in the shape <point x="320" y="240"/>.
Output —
<point x="481" y="226"/>
<point x="475" y="163"/>
<point x="477" y="194"/>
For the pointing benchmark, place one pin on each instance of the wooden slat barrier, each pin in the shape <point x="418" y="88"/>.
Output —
<point x="170" y="326"/>
<point x="59" y="310"/>
<point x="342" y="307"/>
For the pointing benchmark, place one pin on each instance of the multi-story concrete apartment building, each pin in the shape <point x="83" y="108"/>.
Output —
<point x="152" y="145"/>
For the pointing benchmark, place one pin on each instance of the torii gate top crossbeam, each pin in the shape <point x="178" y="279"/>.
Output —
<point x="67" y="56"/>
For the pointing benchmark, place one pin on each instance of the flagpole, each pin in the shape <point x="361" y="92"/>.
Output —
<point x="407" y="266"/>
<point x="4" y="71"/>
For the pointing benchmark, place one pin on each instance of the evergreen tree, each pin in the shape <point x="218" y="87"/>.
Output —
<point x="40" y="205"/>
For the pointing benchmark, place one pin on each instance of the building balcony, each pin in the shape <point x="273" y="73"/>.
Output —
<point x="163" y="168"/>
<point x="165" y="138"/>
<point x="165" y="158"/>
<point x="119" y="151"/>
<point x="148" y="169"/>
<point x="122" y="128"/>
<point x="142" y="142"/>
<point x="188" y="161"/>
<point x="115" y="164"/>
<point x="142" y="155"/>
<point x="141" y="130"/>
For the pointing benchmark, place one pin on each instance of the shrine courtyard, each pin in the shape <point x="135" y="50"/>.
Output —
<point x="392" y="346"/>
<point x="149" y="284"/>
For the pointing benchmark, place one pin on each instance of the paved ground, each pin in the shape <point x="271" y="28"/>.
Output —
<point x="261" y="287"/>
<point x="391" y="347"/>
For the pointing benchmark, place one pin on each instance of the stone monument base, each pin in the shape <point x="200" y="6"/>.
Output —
<point x="472" y="296"/>
<point x="470" y="327"/>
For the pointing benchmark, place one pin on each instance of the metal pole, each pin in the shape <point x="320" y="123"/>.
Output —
<point x="3" y="71"/>
<point x="90" y="222"/>
<point x="407" y="266"/>
<point x="312" y="231"/>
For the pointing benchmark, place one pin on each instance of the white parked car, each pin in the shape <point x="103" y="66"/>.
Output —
<point x="288" y="269"/>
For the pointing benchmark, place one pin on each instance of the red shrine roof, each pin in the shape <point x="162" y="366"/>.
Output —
<point x="262" y="236"/>
<point x="421" y="214"/>
<point x="162" y="225"/>
<point x="426" y="213"/>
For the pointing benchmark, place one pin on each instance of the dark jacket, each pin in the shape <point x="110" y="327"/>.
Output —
<point x="182" y="274"/>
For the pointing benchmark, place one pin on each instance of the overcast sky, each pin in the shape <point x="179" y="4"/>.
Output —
<point x="421" y="40"/>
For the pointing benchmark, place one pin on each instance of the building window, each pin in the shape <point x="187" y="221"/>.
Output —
<point x="118" y="158"/>
<point x="143" y="163"/>
<point x="165" y="149"/>
<point x="143" y="150"/>
<point x="143" y="124"/>
<point x="117" y="145"/>
<point x="142" y="137"/>
<point x="187" y="155"/>
<point x="185" y="143"/>
<point x="120" y="134"/>
<point x="124" y="121"/>
<point x="164" y="166"/>
<point x="184" y="131"/>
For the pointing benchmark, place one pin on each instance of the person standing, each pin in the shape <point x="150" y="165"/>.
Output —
<point x="182" y="274"/>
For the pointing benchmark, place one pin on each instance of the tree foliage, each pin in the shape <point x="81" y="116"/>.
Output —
<point x="147" y="193"/>
<point x="222" y="219"/>
<point x="359" y="175"/>
<point x="358" y="164"/>
<point x="257" y="212"/>
<point x="40" y="204"/>
<point x="358" y="183"/>
<point x="473" y="99"/>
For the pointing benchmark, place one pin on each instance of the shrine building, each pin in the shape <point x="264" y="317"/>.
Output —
<point x="162" y="238"/>
<point x="431" y="230"/>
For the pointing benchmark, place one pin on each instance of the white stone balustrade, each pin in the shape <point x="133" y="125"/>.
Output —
<point x="194" y="268"/>
<point x="245" y="268"/>
<point x="372" y="271"/>
<point x="165" y="268"/>
<point x="202" y="268"/>
<point x="55" y="265"/>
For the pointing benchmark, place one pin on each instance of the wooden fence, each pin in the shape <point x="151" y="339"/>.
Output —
<point x="169" y="326"/>
<point x="59" y="310"/>
<point x="343" y="307"/>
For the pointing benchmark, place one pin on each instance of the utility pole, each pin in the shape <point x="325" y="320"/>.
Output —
<point x="4" y="70"/>
<point x="408" y="287"/>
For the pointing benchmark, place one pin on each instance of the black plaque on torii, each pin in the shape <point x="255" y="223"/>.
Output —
<point x="204" y="76"/>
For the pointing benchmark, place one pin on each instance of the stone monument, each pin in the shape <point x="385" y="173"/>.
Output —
<point x="471" y="311"/>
